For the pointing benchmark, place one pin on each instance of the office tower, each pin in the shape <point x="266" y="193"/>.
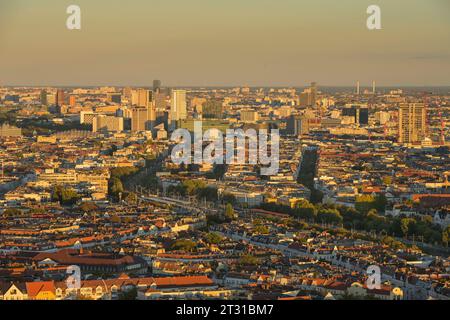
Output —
<point x="43" y="97"/>
<point x="157" y="85"/>
<point x="308" y="97"/>
<point x="60" y="97"/>
<point x="362" y="116"/>
<point x="107" y="123"/>
<point x="141" y="98"/>
<point x="297" y="125"/>
<point x="411" y="122"/>
<point x="144" y="113"/>
<point x="178" y="107"/>
<point x="72" y="101"/>
<point x="51" y="99"/>
<point x="160" y="101"/>
<point x="356" y="114"/>
<point x="139" y="119"/>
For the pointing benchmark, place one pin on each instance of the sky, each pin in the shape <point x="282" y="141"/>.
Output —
<point x="225" y="43"/>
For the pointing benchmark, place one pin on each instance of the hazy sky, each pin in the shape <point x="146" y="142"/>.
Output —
<point x="224" y="42"/>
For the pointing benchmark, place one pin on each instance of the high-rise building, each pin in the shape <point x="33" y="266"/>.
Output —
<point x="308" y="97"/>
<point x="297" y="125"/>
<point x="362" y="116"/>
<point x="140" y="119"/>
<point x="359" y="115"/>
<point x="178" y="106"/>
<point x="51" y="99"/>
<point x="72" y="101"/>
<point x="60" y="99"/>
<point x="141" y="98"/>
<point x="43" y="97"/>
<point x="156" y="86"/>
<point x="143" y="119"/>
<point x="107" y="123"/>
<point x="160" y="101"/>
<point x="411" y="123"/>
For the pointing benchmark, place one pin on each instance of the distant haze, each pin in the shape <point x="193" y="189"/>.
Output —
<point x="225" y="43"/>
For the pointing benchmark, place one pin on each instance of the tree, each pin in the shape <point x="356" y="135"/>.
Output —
<point x="387" y="180"/>
<point x="330" y="216"/>
<point x="115" y="187"/>
<point x="128" y="294"/>
<point x="219" y="171"/>
<point x="65" y="196"/>
<point x="88" y="207"/>
<point x="364" y="203"/>
<point x="214" y="238"/>
<point x="248" y="259"/>
<point x="229" y="198"/>
<point x="209" y="193"/>
<point x="229" y="212"/>
<point x="305" y="210"/>
<point x="380" y="202"/>
<point x="123" y="172"/>
<point x="12" y="212"/>
<point x="445" y="236"/>
<point x="262" y="229"/>
<point x="192" y="186"/>
<point x="391" y="242"/>
<point x="116" y="219"/>
<point x="406" y="225"/>
<point x="183" y="245"/>
<point x="131" y="197"/>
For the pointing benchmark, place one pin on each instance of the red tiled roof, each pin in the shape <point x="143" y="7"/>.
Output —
<point x="34" y="288"/>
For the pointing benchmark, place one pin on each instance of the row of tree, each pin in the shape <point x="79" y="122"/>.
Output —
<point x="365" y="219"/>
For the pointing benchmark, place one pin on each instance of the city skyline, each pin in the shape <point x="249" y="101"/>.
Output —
<point x="224" y="151"/>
